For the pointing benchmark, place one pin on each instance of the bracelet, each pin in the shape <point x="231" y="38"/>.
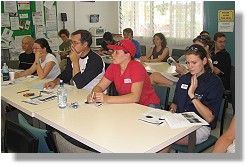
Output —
<point x="193" y="98"/>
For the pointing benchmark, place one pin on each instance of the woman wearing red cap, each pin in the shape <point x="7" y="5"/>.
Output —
<point x="129" y="76"/>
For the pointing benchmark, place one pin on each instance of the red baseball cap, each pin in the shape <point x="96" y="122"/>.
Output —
<point x="125" y="45"/>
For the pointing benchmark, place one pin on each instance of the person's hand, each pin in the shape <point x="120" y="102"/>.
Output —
<point x="193" y="86"/>
<point x="64" y="53"/>
<point x="100" y="97"/>
<point x="17" y="75"/>
<point x="181" y="69"/>
<point x="144" y="59"/>
<point x="50" y="84"/>
<point x="173" y="108"/>
<point x="37" y="56"/>
<point x="74" y="56"/>
<point x="91" y="97"/>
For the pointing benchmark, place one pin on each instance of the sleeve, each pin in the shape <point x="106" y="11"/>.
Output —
<point x="66" y="75"/>
<point x="224" y="63"/>
<point x="138" y="50"/>
<point x="93" y="68"/>
<point x="213" y="100"/>
<point x="109" y="74"/>
<point x="51" y="57"/>
<point x="138" y="73"/>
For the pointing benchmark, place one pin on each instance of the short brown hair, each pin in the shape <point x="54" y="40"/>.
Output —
<point x="128" y="30"/>
<point x="64" y="31"/>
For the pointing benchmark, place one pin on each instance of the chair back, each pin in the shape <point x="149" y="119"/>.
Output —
<point x="17" y="139"/>
<point x="222" y="112"/>
<point x="177" y="53"/>
<point x="64" y="146"/>
<point x="39" y="133"/>
<point x="143" y="50"/>
<point x="163" y="94"/>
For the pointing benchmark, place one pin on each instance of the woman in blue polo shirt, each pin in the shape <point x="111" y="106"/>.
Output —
<point x="199" y="91"/>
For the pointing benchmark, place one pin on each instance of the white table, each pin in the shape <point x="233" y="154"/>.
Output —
<point x="109" y="128"/>
<point x="113" y="128"/>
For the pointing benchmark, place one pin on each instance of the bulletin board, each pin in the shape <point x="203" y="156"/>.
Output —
<point x="35" y="18"/>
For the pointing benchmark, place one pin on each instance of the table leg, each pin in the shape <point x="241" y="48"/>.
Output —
<point x="192" y="142"/>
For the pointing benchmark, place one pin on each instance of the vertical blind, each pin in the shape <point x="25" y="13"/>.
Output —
<point x="179" y="21"/>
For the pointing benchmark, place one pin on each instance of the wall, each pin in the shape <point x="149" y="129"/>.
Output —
<point x="211" y="22"/>
<point x="78" y="14"/>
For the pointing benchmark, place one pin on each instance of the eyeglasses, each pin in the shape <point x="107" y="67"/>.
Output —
<point x="75" y="43"/>
<point x="195" y="50"/>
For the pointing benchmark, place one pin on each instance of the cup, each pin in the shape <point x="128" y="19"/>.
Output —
<point x="11" y="75"/>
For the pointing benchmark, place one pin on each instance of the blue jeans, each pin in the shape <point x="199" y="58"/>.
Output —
<point x="154" y="106"/>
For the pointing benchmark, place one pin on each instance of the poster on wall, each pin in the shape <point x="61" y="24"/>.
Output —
<point x="226" y="20"/>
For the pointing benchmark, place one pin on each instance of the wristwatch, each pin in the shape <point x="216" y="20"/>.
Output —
<point x="193" y="98"/>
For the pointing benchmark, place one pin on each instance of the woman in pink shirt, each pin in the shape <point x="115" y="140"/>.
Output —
<point x="129" y="76"/>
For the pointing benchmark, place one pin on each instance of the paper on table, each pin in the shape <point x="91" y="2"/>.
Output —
<point x="179" y="120"/>
<point x="153" y="117"/>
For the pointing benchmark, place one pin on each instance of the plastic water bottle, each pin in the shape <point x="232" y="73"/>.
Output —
<point x="5" y="71"/>
<point x="62" y="95"/>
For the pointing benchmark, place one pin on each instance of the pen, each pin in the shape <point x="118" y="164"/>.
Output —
<point x="23" y="91"/>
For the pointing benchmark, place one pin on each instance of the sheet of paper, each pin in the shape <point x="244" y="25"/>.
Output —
<point x="5" y="20"/>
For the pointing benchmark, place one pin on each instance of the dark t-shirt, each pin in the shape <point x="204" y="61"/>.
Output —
<point x="26" y="60"/>
<point x="104" y="45"/>
<point x="222" y="61"/>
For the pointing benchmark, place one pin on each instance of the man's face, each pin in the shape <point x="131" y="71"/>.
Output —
<point x="220" y="43"/>
<point x="127" y="35"/>
<point x="26" y="44"/>
<point x="76" y="43"/>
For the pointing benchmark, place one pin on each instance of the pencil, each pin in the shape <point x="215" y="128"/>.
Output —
<point x="23" y="91"/>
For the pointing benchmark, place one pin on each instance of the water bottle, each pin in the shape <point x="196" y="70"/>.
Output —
<point x="62" y="95"/>
<point x="5" y="71"/>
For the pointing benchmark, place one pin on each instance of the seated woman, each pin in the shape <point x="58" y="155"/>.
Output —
<point x="45" y="64"/>
<point x="226" y="143"/>
<point x="200" y="91"/>
<point x="160" y="79"/>
<point x="158" y="53"/>
<point x="129" y="76"/>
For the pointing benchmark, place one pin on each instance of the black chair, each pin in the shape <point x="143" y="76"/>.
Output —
<point x="163" y="93"/>
<point x="177" y="53"/>
<point x="19" y="140"/>
<point x="212" y="139"/>
<point x="143" y="50"/>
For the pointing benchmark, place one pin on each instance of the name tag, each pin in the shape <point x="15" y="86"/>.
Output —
<point x="215" y="62"/>
<point x="127" y="80"/>
<point x="184" y="86"/>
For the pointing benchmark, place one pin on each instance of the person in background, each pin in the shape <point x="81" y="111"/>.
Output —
<point x="27" y="58"/>
<point x="221" y="59"/>
<point x="128" y="34"/>
<point x="158" y="53"/>
<point x="45" y="64"/>
<point x="129" y="76"/>
<point x="205" y="33"/>
<point x="64" y="47"/>
<point x="107" y="40"/>
<point x="226" y="143"/>
<point x="160" y="79"/>
<point x="84" y="66"/>
<point x="199" y="91"/>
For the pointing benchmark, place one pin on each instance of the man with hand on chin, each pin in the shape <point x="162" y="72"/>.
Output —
<point x="84" y="66"/>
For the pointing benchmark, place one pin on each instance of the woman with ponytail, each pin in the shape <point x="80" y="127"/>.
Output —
<point x="199" y="91"/>
<point x="45" y="64"/>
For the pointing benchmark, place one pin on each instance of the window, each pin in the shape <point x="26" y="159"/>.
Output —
<point x="179" y="21"/>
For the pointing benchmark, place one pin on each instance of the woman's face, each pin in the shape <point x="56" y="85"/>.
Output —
<point x="195" y="64"/>
<point x="157" y="41"/>
<point x="118" y="56"/>
<point x="37" y="48"/>
<point x="64" y="37"/>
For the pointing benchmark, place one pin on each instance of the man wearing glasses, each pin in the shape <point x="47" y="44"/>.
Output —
<point x="84" y="66"/>
<point x="221" y="59"/>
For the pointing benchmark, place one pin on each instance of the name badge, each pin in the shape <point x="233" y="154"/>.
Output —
<point x="215" y="62"/>
<point x="184" y="86"/>
<point x="127" y="80"/>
